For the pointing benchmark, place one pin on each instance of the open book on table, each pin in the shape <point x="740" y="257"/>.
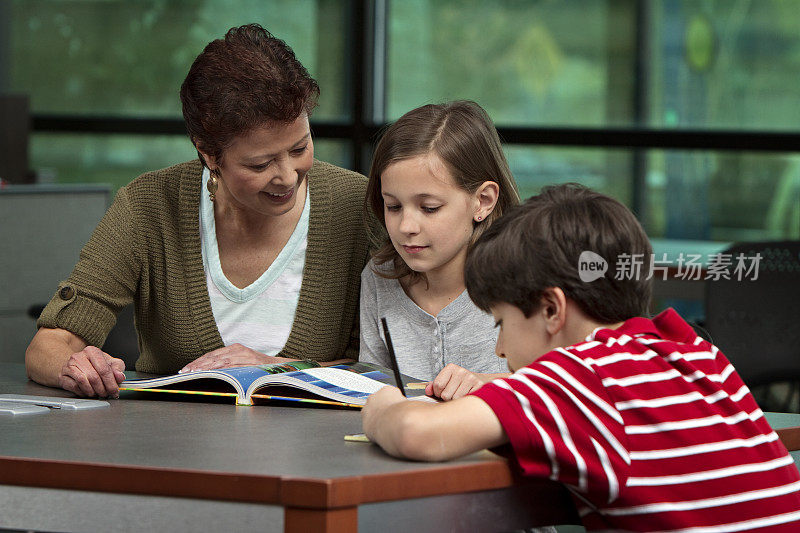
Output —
<point x="347" y="384"/>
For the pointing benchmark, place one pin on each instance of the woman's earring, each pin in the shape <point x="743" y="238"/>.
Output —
<point x="478" y="218"/>
<point x="212" y="185"/>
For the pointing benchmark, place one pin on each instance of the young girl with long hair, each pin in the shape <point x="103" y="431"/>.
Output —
<point x="438" y="179"/>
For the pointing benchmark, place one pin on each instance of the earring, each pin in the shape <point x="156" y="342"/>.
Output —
<point x="212" y="185"/>
<point x="478" y="218"/>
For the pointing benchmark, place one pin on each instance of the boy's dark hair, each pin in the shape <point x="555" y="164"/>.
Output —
<point x="537" y="245"/>
<point x="243" y="81"/>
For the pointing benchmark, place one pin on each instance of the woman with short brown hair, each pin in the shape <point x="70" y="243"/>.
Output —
<point x="249" y="255"/>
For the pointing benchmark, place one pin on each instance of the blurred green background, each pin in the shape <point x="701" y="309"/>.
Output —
<point x="669" y="65"/>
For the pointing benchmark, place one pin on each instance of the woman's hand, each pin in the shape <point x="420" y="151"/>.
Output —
<point x="454" y="382"/>
<point x="92" y="372"/>
<point x="230" y="356"/>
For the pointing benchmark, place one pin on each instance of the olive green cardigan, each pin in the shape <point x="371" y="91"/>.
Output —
<point x="146" y="250"/>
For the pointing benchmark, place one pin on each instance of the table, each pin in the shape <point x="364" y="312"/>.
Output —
<point x="156" y="465"/>
<point x="787" y="426"/>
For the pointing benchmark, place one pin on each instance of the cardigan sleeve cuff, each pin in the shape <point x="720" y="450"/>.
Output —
<point x="79" y="314"/>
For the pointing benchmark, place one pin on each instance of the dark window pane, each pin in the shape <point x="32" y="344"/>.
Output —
<point x="112" y="159"/>
<point x="690" y="195"/>
<point x="723" y="196"/>
<point x="336" y="152"/>
<point x="118" y="159"/>
<point x="607" y="171"/>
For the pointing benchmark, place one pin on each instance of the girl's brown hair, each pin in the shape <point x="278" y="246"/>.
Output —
<point x="463" y="136"/>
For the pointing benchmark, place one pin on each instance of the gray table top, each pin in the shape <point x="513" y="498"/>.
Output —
<point x="260" y="440"/>
<point x="292" y="457"/>
<point x="288" y="455"/>
<point x="158" y="432"/>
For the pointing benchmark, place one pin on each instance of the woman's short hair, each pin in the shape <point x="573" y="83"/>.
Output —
<point x="463" y="136"/>
<point x="240" y="82"/>
<point x="539" y="245"/>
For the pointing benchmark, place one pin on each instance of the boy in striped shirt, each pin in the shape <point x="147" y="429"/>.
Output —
<point x="646" y="423"/>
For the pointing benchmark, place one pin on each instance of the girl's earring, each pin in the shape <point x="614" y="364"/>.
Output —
<point x="212" y="185"/>
<point x="478" y="218"/>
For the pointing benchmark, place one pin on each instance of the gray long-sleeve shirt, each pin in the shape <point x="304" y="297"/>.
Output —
<point x="424" y="344"/>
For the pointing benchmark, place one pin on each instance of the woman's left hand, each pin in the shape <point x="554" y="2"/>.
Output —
<point x="230" y="356"/>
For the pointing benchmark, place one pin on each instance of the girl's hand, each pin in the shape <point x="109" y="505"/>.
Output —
<point x="454" y="382"/>
<point x="230" y="356"/>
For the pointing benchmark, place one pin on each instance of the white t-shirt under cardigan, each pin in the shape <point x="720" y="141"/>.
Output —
<point x="259" y="316"/>
<point x="424" y="344"/>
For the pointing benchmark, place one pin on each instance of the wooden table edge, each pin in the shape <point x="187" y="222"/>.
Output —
<point x="135" y="479"/>
<point x="452" y="478"/>
<point x="790" y="437"/>
<point x="288" y="491"/>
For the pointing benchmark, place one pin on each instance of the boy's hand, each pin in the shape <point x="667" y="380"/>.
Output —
<point x="430" y="431"/>
<point x="454" y="382"/>
<point x="373" y="410"/>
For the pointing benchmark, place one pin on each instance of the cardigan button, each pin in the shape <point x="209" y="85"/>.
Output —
<point x="66" y="293"/>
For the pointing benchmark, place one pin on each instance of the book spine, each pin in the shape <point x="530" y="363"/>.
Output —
<point x="243" y="400"/>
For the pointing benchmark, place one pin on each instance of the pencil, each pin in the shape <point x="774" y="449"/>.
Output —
<point x="397" y="377"/>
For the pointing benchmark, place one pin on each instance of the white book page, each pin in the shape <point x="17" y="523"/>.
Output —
<point x="346" y="379"/>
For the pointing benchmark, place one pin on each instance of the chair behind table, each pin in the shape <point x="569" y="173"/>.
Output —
<point x="756" y="322"/>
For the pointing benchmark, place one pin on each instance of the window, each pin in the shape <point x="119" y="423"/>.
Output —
<point x="117" y="159"/>
<point x="684" y="110"/>
<point x="577" y="72"/>
<point x="526" y="63"/>
<point x="723" y="65"/>
<point x="117" y="67"/>
<point x="119" y="58"/>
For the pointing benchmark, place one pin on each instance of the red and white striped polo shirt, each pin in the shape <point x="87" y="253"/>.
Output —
<point x="651" y="429"/>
